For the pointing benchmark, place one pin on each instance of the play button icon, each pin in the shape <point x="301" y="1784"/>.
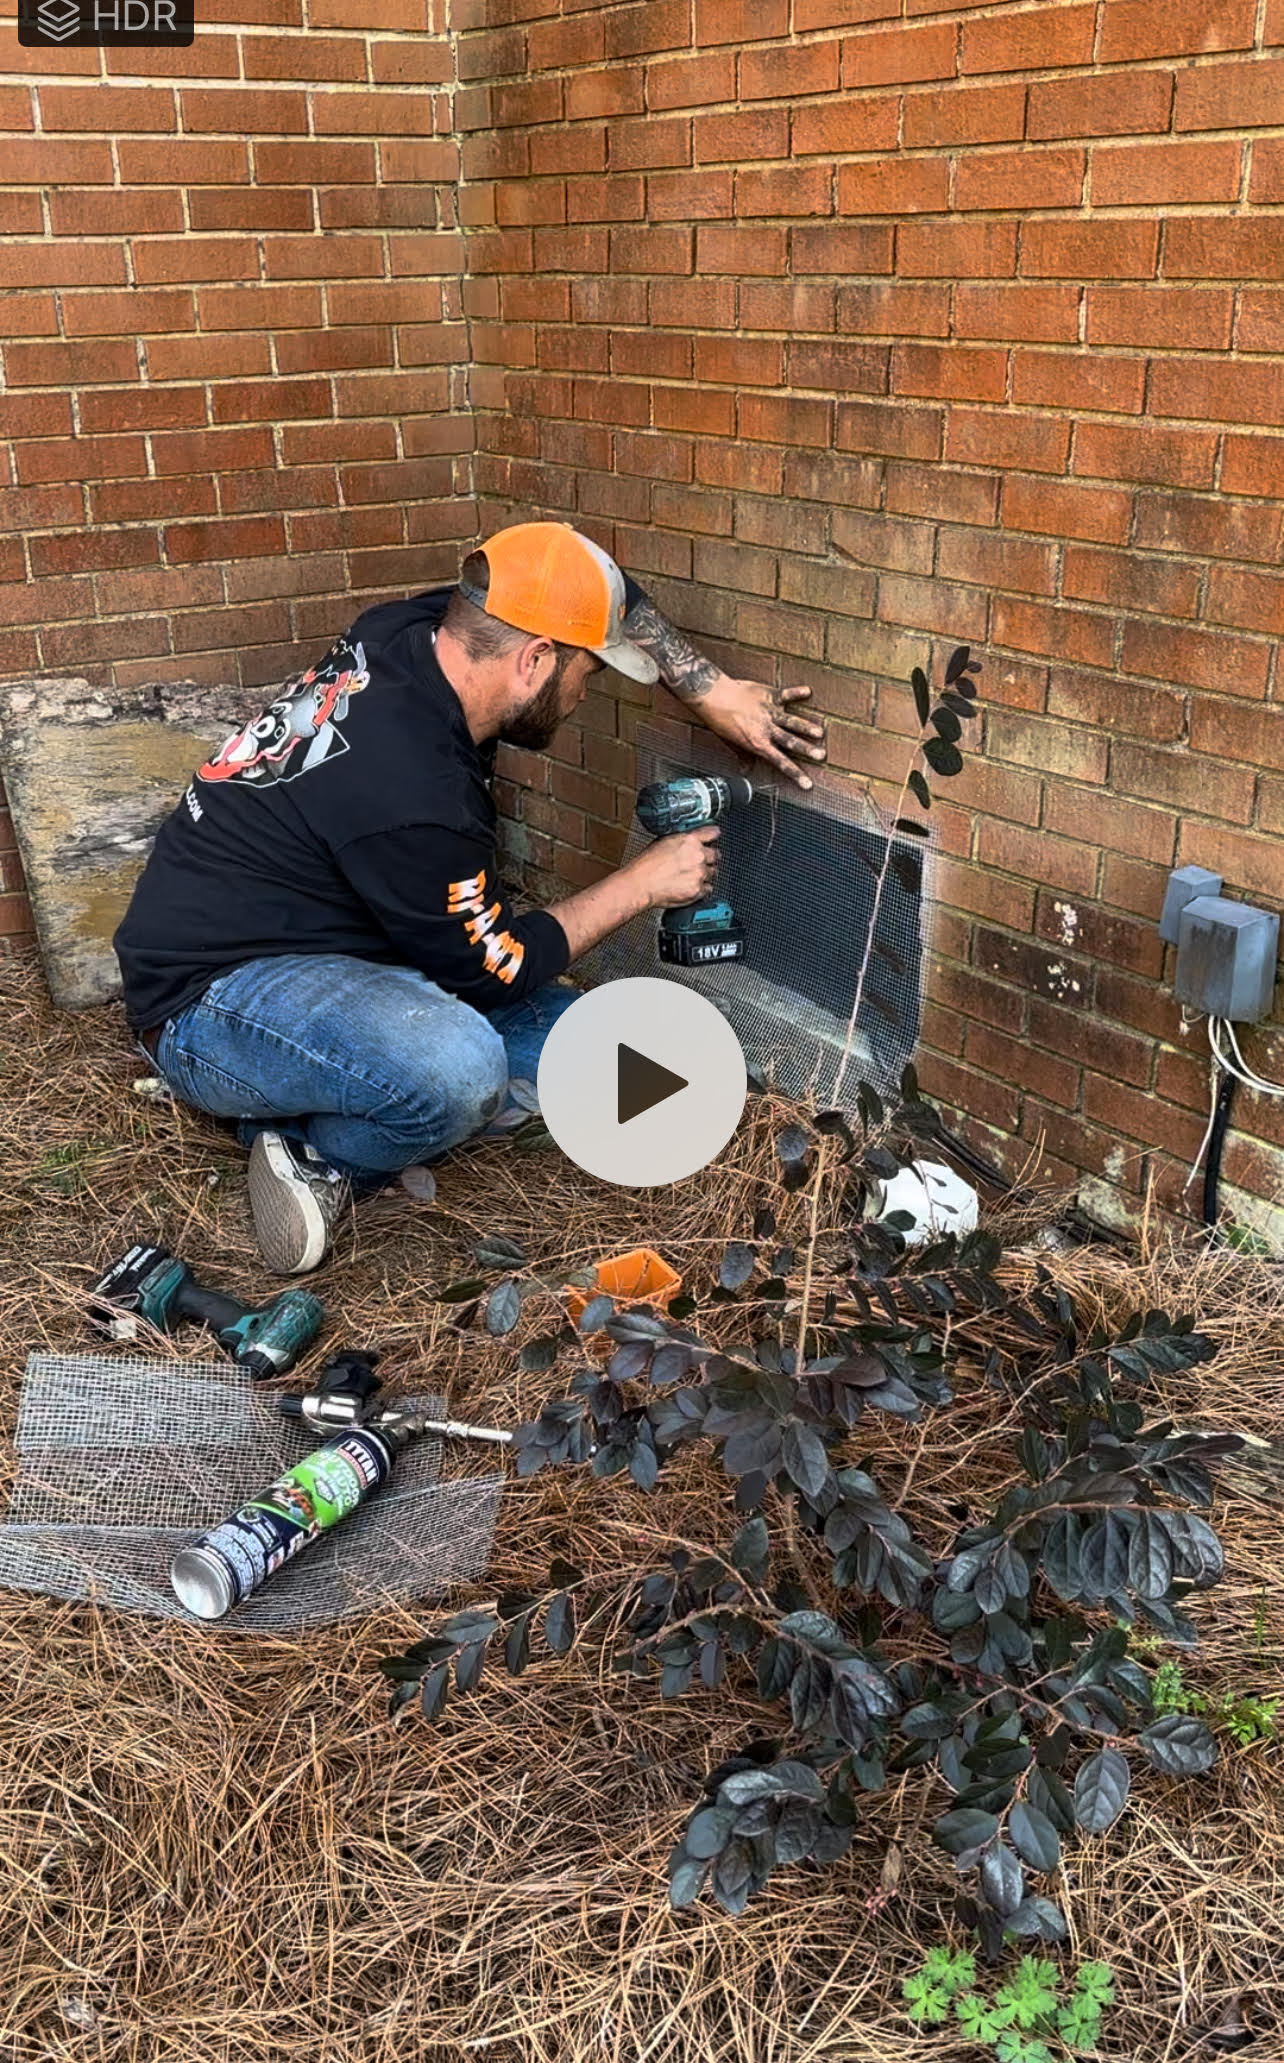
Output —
<point x="642" y="1082"/>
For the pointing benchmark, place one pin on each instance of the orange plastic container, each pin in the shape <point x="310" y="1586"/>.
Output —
<point x="640" y="1277"/>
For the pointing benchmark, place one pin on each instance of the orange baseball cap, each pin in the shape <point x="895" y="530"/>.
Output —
<point x="556" y="583"/>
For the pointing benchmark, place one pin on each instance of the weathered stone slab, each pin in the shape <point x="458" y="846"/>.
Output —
<point x="90" y="775"/>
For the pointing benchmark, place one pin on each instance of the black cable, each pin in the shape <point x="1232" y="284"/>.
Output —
<point x="1216" y="1144"/>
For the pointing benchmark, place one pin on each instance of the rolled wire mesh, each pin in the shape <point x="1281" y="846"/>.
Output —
<point x="801" y="871"/>
<point x="122" y="1461"/>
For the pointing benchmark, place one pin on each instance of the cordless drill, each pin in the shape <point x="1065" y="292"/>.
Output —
<point x="695" y="934"/>
<point x="152" y="1284"/>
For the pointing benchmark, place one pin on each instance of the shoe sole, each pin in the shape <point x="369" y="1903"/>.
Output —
<point x="289" y="1223"/>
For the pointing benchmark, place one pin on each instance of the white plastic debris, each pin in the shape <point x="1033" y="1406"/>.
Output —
<point x="419" y="1182"/>
<point x="935" y="1197"/>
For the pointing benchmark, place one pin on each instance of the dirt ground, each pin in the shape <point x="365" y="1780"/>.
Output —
<point x="218" y="1850"/>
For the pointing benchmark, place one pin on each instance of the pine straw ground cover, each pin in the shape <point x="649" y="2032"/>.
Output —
<point x="217" y="1848"/>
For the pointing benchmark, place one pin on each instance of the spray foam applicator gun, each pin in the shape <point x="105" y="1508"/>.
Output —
<point x="226" y="1565"/>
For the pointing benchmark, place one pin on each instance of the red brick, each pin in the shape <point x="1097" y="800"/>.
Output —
<point x="183" y="161"/>
<point x="1145" y="454"/>
<point x="841" y="14"/>
<point x="1169" y="317"/>
<point x="760" y="132"/>
<point x="1199" y="658"/>
<point x="407" y="63"/>
<point x="777" y="419"/>
<point x="1038" y="40"/>
<point x="1253" y="465"/>
<point x="757" y="468"/>
<point x="1109" y="704"/>
<point x="895" y="310"/>
<point x="1103" y="934"/>
<point x="64" y="264"/>
<point x="270" y="401"/>
<point x="697" y="82"/>
<point x="840" y="250"/>
<point x="1147" y="175"/>
<point x="1053" y="1079"/>
<point x="243" y="207"/>
<point x="740" y="21"/>
<point x="91" y="552"/>
<point x="1249" y="863"/>
<point x="956" y="250"/>
<point x="48" y="160"/>
<point x="652" y="25"/>
<point x="188" y="358"/>
<point x="646" y="143"/>
<point x="994" y="561"/>
<point x="950" y="371"/>
<point x="1261" y="320"/>
<point x="1129" y="580"/>
<point x="963" y="886"/>
<point x="787" y="73"/>
<point x="1133" y="886"/>
<point x="916" y="490"/>
<point x="792" y="305"/>
<point x="964" y="114"/>
<point x="1088" y="380"/>
<point x="688" y="196"/>
<point x="1025" y="178"/>
<point x="1060" y="633"/>
<point x="1207" y="247"/>
<point x="1134" y="30"/>
<point x="1210" y="525"/>
<point x="738" y="361"/>
<point x="304" y="57"/>
<point x="1111" y="249"/>
<point x="835" y="128"/>
<point x="840" y="368"/>
<point x="1038" y="315"/>
<point x="740" y="249"/>
<point x="961" y="1089"/>
<point x="1004" y="438"/>
<point x="1248" y="601"/>
<point x="894" y="186"/>
<point x="1240" y="94"/>
<point x="21" y="214"/>
<point x="892" y="57"/>
<point x="1185" y="781"/>
<point x="551" y="46"/>
<point x="142" y="501"/>
<point x="838" y="482"/>
<point x="106" y="111"/>
<point x="256" y="307"/>
<point x="190" y="258"/>
<point x="28" y="315"/>
<point x="1232" y="730"/>
<point x="784" y="190"/>
<point x="1134" y="103"/>
<point x="1222" y="392"/>
<point x="655" y="248"/>
<point x="117" y="409"/>
<point x="1267" y="182"/>
<point x="927" y="605"/>
<point x="1137" y="1115"/>
<point x="202" y="451"/>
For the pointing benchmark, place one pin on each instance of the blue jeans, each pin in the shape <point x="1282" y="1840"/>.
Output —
<point x="375" y="1067"/>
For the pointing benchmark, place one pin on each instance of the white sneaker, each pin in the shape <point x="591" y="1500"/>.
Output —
<point x="295" y="1197"/>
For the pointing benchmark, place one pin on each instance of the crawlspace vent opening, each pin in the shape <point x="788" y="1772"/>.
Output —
<point x="801" y="871"/>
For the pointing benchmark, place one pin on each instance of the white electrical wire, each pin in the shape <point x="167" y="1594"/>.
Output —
<point x="1240" y="1069"/>
<point x="1212" y="1112"/>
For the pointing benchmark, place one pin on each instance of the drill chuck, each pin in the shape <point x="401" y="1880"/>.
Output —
<point x="667" y="807"/>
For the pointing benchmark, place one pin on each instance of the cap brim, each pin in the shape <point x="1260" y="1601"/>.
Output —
<point x="630" y="660"/>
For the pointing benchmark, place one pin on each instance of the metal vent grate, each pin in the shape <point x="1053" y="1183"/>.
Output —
<point x="801" y="870"/>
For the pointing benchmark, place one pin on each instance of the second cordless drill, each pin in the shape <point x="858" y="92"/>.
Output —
<point x="695" y="934"/>
<point x="151" y="1283"/>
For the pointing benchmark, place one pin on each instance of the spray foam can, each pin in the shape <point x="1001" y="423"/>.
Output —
<point x="226" y="1565"/>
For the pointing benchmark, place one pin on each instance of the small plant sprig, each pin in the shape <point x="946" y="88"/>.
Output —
<point x="1247" y="1718"/>
<point x="1026" y="2019"/>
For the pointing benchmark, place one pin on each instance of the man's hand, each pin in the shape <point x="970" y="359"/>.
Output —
<point x="677" y="870"/>
<point x="758" y="720"/>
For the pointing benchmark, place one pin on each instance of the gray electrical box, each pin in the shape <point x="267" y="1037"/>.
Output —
<point x="1184" y="884"/>
<point x="1226" y="955"/>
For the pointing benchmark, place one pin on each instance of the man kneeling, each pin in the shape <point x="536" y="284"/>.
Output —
<point x="318" y="947"/>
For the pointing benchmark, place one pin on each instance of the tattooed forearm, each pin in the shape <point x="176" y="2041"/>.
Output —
<point x="682" y="669"/>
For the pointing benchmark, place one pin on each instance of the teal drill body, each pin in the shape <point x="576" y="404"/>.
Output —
<point x="695" y="934"/>
<point x="152" y="1286"/>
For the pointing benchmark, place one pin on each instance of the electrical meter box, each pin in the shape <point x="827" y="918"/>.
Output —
<point x="1226" y="955"/>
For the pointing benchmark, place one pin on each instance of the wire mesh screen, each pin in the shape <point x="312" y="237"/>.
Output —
<point x="123" y="1461"/>
<point x="801" y="871"/>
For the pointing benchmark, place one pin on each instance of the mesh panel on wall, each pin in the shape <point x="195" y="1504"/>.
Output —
<point x="801" y="871"/>
<point x="122" y="1461"/>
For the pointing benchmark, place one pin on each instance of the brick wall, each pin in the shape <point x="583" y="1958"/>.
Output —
<point x="859" y="327"/>
<point x="234" y="358"/>
<point x="854" y="327"/>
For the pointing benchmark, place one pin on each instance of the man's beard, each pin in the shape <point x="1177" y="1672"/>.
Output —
<point x="536" y="726"/>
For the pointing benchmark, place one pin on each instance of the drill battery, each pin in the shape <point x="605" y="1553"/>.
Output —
<point x="701" y="937"/>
